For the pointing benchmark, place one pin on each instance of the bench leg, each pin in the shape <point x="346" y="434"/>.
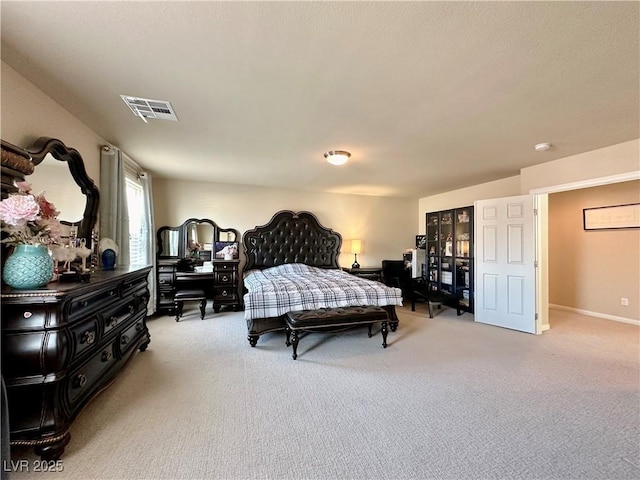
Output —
<point x="178" y="306"/>
<point x="430" y="309"/>
<point x="384" y="331"/>
<point x="287" y="332"/>
<point x="294" y="343"/>
<point x="203" y="307"/>
<point x="370" y="334"/>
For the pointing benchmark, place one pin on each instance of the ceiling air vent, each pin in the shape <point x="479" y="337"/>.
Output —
<point x="147" y="108"/>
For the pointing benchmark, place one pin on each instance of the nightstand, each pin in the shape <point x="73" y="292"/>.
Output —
<point x="370" y="273"/>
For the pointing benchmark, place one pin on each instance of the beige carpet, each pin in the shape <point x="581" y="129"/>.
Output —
<point x="448" y="399"/>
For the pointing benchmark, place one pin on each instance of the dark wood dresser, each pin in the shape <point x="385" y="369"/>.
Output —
<point x="62" y="344"/>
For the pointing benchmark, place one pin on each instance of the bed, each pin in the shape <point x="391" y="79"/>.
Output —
<point x="291" y="265"/>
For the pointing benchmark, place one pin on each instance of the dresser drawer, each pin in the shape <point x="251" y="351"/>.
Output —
<point x="128" y="337"/>
<point x="118" y="314"/>
<point x="219" y="265"/>
<point x="25" y="317"/>
<point x="39" y="353"/>
<point x="82" y="381"/>
<point x="166" y="269"/>
<point x="86" y="304"/>
<point x="165" y="279"/>
<point x="221" y="278"/>
<point x="225" y="295"/>
<point x="166" y="296"/>
<point x="85" y="335"/>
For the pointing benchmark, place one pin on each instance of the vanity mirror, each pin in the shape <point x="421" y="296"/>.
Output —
<point x="60" y="172"/>
<point x="195" y="238"/>
<point x="169" y="242"/>
<point x="188" y="260"/>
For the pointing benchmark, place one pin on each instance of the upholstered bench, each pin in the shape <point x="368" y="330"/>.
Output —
<point x="324" y="319"/>
<point x="182" y="296"/>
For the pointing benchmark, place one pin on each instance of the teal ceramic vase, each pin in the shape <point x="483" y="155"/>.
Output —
<point x="29" y="266"/>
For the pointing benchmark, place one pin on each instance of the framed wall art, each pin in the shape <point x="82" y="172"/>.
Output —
<point x="227" y="251"/>
<point x="612" y="217"/>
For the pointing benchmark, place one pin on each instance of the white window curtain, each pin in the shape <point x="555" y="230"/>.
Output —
<point x="149" y="238"/>
<point x="114" y="211"/>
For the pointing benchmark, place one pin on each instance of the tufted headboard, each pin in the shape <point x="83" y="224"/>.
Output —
<point x="291" y="237"/>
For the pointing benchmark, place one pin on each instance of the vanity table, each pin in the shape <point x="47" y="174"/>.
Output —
<point x="188" y="259"/>
<point x="65" y="342"/>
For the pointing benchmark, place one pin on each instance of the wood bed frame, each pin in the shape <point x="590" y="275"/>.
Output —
<point x="292" y="237"/>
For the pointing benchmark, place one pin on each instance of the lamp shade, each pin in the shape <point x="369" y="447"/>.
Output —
<point x="356" y="246"/>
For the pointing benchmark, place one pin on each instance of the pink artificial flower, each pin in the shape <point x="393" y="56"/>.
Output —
<point x="23" y="187"/>
<point x="53" y="227"/>
<point x="19" y="209"/>
<point x="47" y="210"/>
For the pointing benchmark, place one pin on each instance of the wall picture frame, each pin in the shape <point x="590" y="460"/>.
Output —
<point x="612" y="217"/>
<point x="421" y="242"/>
<point x="226" y="251"/>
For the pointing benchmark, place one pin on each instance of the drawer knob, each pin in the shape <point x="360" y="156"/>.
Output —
<point x="224" y="293"/>
<point x="106" y="356"/>
<point x="224" y="278"/>
<point x="124" y="339"/>
<point x="80" y="380"/>
<point x="89" y="337"/>
<point x="113" y="321"/>
<point x="138" y="327"/>
<point x="132" y="309"/>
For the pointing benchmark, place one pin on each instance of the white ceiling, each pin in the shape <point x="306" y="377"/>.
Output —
<point x="427" y="96"/>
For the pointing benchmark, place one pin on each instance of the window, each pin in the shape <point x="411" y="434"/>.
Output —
<point x="137" y="224"/>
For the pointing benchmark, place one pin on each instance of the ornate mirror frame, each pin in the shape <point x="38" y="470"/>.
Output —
<point x="218" y="233"/>
<point x="58" y="150"/>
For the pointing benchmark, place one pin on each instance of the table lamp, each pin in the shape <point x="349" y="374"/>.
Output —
<point x="356" y="248"/>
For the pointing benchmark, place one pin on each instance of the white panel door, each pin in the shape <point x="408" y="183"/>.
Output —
<point x="504" y="235"/>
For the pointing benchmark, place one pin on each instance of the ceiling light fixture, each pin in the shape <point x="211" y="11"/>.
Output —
<point x="542" y="147"/>
<point x="337" y="157"/>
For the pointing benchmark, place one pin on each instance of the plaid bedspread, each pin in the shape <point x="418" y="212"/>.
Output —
<point x="275" y="291"/>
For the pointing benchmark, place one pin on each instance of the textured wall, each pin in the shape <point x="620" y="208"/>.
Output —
<point x="591" y="270"/>
<point x="385" y="225"/>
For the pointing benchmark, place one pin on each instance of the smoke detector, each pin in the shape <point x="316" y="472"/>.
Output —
<point x="147" y="108"/>
<point x="542" y="147"/>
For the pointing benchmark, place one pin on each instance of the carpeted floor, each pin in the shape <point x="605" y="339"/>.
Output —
<point x="448" y="399"/>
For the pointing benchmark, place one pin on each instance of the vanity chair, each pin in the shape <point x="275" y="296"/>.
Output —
<point x="192" y="266"/>
<point x="182" y="296"/>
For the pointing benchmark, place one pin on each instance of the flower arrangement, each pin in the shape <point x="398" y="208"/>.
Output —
<point x="29" y="219"/>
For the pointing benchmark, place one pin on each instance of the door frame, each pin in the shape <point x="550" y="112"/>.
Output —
<point x="541" y="220"/>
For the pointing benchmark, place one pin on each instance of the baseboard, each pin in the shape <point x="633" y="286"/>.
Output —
<point x="615" y="318"/>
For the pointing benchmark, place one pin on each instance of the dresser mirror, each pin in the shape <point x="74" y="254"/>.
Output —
<point x="65" y="195"/>
<point x="195" y="239"/>
<point x="60" y="173"/>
